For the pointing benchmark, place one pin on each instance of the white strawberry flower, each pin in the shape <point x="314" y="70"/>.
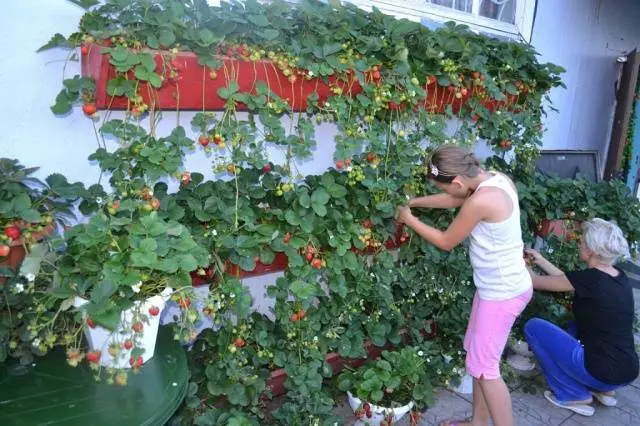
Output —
<point x="19" y="288"/>
<point x="136" y="287"/>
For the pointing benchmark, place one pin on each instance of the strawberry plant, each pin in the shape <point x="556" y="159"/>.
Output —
<point x="394" y="380"/>
<point x="389" y="88"/>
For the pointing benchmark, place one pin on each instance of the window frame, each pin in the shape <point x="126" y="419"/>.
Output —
<point x="410" y="9"/>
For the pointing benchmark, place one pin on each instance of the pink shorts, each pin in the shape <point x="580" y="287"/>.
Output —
<point x="488" y="332"/>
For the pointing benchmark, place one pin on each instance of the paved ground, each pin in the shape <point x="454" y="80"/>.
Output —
<point x="533" y="410"/>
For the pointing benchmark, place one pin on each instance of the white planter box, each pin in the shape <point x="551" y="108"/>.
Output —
<point x="101" y="339"/>
<point x="377" y="412"/>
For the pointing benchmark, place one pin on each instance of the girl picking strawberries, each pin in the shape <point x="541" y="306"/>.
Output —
<point x="490" y="216"/>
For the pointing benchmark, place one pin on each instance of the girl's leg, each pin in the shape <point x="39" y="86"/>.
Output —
<point x="498" y="400"/>
<point x="481" y="415"/>
<point x="558" y="355"/>
<point x="491" y="327"/>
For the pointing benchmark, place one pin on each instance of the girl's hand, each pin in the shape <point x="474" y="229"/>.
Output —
<point x="533" y="256"/>
<point x="403" y="214"/>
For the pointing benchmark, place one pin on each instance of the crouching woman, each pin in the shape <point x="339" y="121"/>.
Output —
<point x="597" y="354"/>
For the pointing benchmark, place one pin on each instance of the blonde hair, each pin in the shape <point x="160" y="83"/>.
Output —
<point x="606" y="241"/>
<point x="450" y="161"/>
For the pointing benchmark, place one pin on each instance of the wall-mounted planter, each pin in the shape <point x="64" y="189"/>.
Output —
<point x="559" y="227"/>
<point x="392" y="243"/>
<point x="194" y="88"/>
<point x="280" y="263"/>
<point x="279" y="376"/>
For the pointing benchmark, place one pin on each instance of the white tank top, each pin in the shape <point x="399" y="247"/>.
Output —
<point x="496" y="251"/>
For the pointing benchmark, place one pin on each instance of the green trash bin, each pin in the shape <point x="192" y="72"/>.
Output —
<point x="51" y="393"/>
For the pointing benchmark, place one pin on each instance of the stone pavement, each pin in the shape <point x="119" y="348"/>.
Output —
<point x="532" y="410"/>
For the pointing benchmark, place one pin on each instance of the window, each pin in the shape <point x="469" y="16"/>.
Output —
<point x="509" y="18"/>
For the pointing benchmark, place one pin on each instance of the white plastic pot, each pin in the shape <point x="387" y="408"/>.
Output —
<point x="101" y="339"/>
<point x="378" y="413"/>
<point x="522" y="348"/>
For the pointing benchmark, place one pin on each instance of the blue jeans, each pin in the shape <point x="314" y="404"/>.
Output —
<point x="561" y="358"/>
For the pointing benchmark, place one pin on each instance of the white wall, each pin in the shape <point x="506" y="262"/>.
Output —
<point x="585" y="37"/>
<point x="29" y="82"/>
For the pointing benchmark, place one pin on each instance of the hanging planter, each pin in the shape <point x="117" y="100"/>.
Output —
<point x="132" y="343"/>
<point x="187" y="85"/>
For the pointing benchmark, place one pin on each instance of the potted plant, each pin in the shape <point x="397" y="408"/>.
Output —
<point x="29" y="209"/>
<point x="384" y="390"/>
<point x="29" y="212"/>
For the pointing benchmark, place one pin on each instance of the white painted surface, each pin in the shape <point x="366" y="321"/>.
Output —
<point x="585" y="37"/>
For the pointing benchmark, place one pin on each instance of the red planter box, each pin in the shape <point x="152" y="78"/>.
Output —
<point x="193" y="86"/>
<point x="558" y="227"/>
<point x="194" y="89"/>
<point x="279" y="376"/>
<point x="280" y="263"/>
<point x="390" y="244"/>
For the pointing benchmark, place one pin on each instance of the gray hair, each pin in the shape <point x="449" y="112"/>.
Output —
<point x="606" y="240"/>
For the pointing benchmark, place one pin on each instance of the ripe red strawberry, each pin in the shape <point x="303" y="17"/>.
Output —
<point x="376" y="75"/>
<point x="89" y="109"/>
<point x="4" y="250"/>
<point x="431" y="79"/>
<point x="294" y="317"/>
<point x="309" y="256"/>
<point x="239" y="342"/>
<point x="217" y="139"/>
<point x="301" y="314"/>
<point x="128" y="344"/>
<point x="203" y="140"/>
<point x="90" y="323"/>
<point x="84" y="50"/>
<point x="137" y="327"/>
<point x="93" y="357"/>
<point x="266" y="168"/>
<point x="155" y="204"/>
<point x="287" y="237"/>
<point x="135" y="362"/>
<point x="154" y="311"/>
<point x="12" y="232"/>
<point x="371" y="157"/>
<point x="506" y="144"/>
<point x="316" y="263"/>
<point x="340" y="164"/>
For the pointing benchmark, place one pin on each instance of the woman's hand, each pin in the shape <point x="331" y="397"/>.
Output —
<point x="403" y="214"/>
<point x="533" y="256"/>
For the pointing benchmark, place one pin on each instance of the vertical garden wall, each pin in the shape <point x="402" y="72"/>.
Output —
<point x="261" y="78"/>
